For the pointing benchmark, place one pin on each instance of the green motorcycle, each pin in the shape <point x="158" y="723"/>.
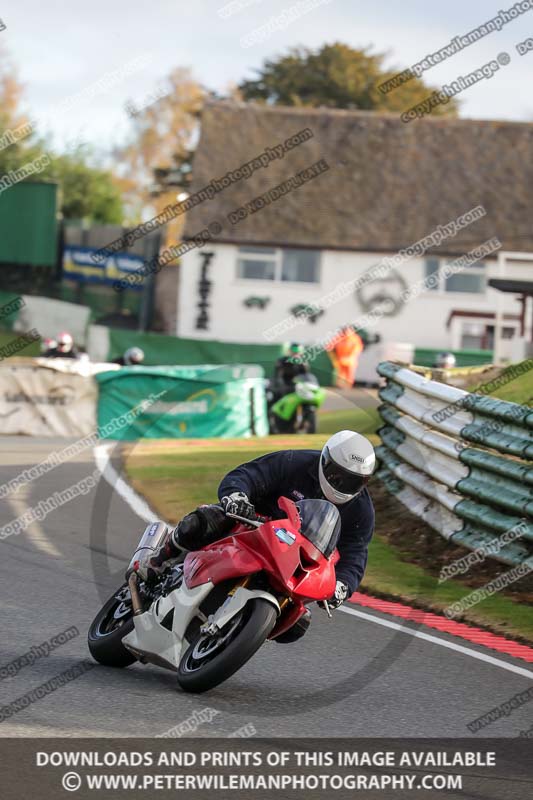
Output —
<point x="296" y="411"/>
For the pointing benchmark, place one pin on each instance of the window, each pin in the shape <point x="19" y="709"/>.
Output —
<point x="480" y="335"/>
<point x="257" y="263"/>
<point x="470" y="279"/>
<point x="300" y="265"/>
<point x="273" y="264"/>
<point x="432" y="268"/>
<point x="472" y="335"/>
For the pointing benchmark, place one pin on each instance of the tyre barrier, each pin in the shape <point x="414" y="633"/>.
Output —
<point x="460" y="461"/>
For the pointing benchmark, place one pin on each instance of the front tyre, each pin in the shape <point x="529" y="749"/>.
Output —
<point x="210" y="660"/>
<point x="309" y="420"/>
<point x="111" y="624"/>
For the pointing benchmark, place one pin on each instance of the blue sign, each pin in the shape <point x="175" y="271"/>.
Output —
<point x="78" y="265"/>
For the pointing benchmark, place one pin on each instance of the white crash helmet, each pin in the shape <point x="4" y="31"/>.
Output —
<point x="346" y="463"/>
<point x="133" y="356"/>
<point x="64" y="342"/>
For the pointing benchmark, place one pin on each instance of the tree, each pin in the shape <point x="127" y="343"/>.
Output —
<point x="336" y="76"/>
<point x="164" y="131"/>
<point x="21" y="146"/>
<point x="86" y="192"/>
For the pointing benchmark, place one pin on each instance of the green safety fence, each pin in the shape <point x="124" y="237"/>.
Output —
<point x="426" y="357"/>
<point x="161" y="349"/>
<point x="10" y="305"/>
<point x="182" y="402"/>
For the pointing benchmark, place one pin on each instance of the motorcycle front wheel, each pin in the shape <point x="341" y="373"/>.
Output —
<point x="111" y="624"/>
<point x="309" y="423"/>
<point x="210" y="660"/>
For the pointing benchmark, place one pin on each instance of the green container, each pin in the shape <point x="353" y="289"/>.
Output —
<point x="28" y="224"/>
<point x="194" y="402"/>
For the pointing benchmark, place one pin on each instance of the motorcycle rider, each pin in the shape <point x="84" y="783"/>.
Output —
<point x="287" y="368"/>
<point x="132" y="357"/>
<point x="339" y="473"/>
<point x="47" y="345"/>
<point x="62" y="347"/>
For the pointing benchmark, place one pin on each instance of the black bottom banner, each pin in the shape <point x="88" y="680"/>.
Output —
<point x="495" y="769"/>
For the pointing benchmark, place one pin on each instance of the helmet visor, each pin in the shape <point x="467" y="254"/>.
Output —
<point x="341" y="479"/>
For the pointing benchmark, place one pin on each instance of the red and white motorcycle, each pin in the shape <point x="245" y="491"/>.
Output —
<point x="206" y="617"/>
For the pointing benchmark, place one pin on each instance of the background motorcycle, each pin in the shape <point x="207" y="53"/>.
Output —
<point x="206" y="617"/>
<point x="296" y="412"/>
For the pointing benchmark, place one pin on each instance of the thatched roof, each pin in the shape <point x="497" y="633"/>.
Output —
<point x="389" y="183"/>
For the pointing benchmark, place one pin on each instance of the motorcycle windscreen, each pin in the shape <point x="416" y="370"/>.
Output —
<point x="321" y="524"/>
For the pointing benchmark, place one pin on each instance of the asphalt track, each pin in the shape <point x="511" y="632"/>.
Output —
<point x="349" y="676"/>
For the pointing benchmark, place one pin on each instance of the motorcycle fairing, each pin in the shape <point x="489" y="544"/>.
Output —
<point x="151" y="640"/>
<point x="297" y="567"/>
<point x="235" y="602"/>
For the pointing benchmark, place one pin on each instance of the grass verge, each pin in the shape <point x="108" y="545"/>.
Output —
<point x="518" y="390"/>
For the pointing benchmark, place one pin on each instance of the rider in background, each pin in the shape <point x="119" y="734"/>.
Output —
<point x="339" y="473"/>
<point x="47" y="345"/>
<point x="287" y="368"/>
<point x="61" y="347"/>
<point x="132" y="357"/>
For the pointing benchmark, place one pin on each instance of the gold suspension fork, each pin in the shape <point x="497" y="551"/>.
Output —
<point x="135" y="596"/>
<point x="285" y="602"/>
<point x="242" y="584"/>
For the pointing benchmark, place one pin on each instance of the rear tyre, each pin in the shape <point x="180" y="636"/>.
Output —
<point x="108" y="628"/>
<point x="211" y="660"/>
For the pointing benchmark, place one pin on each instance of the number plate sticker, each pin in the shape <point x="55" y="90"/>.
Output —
<point x="285" y="536"/>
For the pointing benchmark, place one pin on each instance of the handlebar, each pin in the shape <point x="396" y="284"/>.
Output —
<point x="254" y="523"/>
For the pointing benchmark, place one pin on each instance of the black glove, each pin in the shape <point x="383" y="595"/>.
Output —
<point x="341" y="593"/>
<point x="238" y="504"/>
<point x="201" y="527"/>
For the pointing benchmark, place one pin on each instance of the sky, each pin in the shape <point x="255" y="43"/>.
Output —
<point x="61" y="48"/>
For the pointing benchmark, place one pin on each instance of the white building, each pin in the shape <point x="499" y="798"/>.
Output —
<point x="381" y="186"/>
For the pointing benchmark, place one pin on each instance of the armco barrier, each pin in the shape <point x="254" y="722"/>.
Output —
<point x="459" y="461"/>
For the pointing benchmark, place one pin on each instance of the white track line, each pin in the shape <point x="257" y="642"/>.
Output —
<point x="139" y="506"/>
<point x="442" y="642"/>
<point x="102" y="456"/>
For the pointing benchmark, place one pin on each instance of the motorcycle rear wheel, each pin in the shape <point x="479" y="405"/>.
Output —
<point x="211" y="660"/>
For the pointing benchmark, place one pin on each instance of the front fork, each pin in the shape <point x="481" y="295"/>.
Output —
<point x="236" y="600"/>
<point x="136" y="602"/>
